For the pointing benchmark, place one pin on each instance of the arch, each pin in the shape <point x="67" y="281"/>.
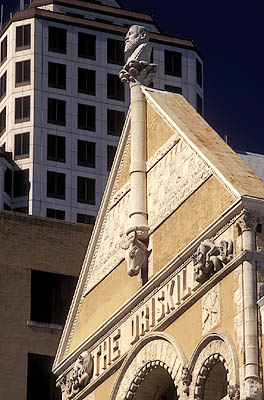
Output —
<point x="153" y="351"/>
<point x="214" y="348"/>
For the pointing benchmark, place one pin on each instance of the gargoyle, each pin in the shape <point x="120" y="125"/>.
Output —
<point x="136" y="255"/>
<point x="210" y="258"/>
<point x="80" y="375"/>
<point x="138" y="66"/>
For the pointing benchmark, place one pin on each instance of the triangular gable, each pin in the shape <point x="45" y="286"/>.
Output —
<point x="182" y="124"/>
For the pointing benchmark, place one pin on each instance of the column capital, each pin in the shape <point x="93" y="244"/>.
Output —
<point x="248" y="221"/>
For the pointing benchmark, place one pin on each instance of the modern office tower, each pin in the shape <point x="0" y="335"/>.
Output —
<point x="63" y="106"/>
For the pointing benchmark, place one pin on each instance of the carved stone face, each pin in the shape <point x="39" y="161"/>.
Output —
<point x="134" y="37"/>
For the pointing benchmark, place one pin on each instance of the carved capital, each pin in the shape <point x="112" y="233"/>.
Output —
<point x="233" y="392"/>
<point x="186" y="379"/>
<point x="248" y="221"/>
<point x="80" y="375"/>
<point x="253" y="389"/>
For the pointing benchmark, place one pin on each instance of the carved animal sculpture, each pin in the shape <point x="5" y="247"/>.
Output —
<point x="80" y="375"/>
<point x="136" y="255"/>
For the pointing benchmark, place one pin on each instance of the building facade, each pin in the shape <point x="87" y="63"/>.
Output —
<point x="39" y="265"/>
<point x="62" y="106"/>
<point x="173" y="311"/>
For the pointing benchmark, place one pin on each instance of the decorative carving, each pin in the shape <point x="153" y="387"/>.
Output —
<point x="210" y="310"/>
<point x="248" y="221"/>
<point x="186" y="379"/>
<point x="253" y="389"/>
<point x="136" y="255"/>
<point x="80" y="375"/>
<point x="138" y="66"/>
<point x="209" y="258"/>
<point x="233" y="392"/>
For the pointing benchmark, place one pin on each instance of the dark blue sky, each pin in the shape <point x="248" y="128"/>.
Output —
<point x="230" y="36"/>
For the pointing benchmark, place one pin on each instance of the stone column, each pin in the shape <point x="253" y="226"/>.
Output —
<point x="138" y="176"/>
<point x="248" y="223"/>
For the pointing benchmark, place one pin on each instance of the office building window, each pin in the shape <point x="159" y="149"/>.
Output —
<point x="115" y="88"/>
<point x="173" y="89"/>
<point x="57" y="214"/>
<point x="199" y="104"/>
<point x="39" y="375"/>
<point x="57" y="112"/>
<point x="115" y="122"/>
<point x="56" y="148"/>
<point x="85" y="190"/>
<point x="3" y="86"/>
<point x="86" y="81"/>
<point x="8" y="181"/>
<point x="23" y="37"/>
<point x="86" y="117"/>
<point x="21" y="183"/>
<point x="2" y="121"/>
<point x="51" y="296"/>
<point x="115" y="51"/>
<point x="22" y="109"/>
<point x="56" y="183"/>
<point x="111" y="150"/>
<point x="57" y="40"/>
<point x="4" y="50"/>
<point x="86" y="219"/>
<point x="199" y="73"/>
<point x="22" y="145"/>
<point x="86" y="45"/>
<point x="23" y="73"/>
<point x="173" y="63"/>
<point x="57" y="75"/>
<point x="86" y="154"/>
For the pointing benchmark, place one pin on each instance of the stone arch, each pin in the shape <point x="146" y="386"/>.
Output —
<point x="214" y="348"/>
<point x="153" y="351"/>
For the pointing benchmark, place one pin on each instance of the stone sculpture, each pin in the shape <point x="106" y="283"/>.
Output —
<point x="136" y="255"/>
<point x="138" y="66"/>
<point x="209" y="258"/>
<point x="233" y="392"/>
<point x="186" y="379"/>
<point x="80" y="375"/>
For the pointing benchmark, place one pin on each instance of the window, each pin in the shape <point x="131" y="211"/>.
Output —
<point x="115" y="88"/>
<point x="22" y="109"/>
<point x="173" y="63"/>
<point x="199" y="73"/>
<point x="86" y="117"/>
<point x="173" y="89"/>
<point x="8" y="181"/>
<point x="86" y="219"/>
<point x="86" y="81"/>
<point x="57" y="112"/>
<point x="115" y="122"/>
<point x="3" y="86"/>
<point x="57" y="40"/>
<point x="85" y="190"/>
<point x="58" y="214"/>
<point x="22" y="37"/>
<point x="86" y="45"/>
<point x="56" y="148"/>
<point x="23" y="210"/>
<point x="51" y="295"/>
<point x="57" y="75"/>
<point x="39" y="372"/>
<point x="21" y="183"/>
<point x="111" y="150"/>
<point x="22" y="73"/>
<point x="115" y="52"/>
<point x="86" y="154"/>
<point x="56" y="185"/>
<point x="199" y="104"/>
<point x="4" y="50"/>
<point x="22" y="145"/>
<point x="2" y="121"/>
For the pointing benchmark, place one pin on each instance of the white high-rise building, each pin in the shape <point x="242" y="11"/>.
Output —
<point x="62" y="105"/>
